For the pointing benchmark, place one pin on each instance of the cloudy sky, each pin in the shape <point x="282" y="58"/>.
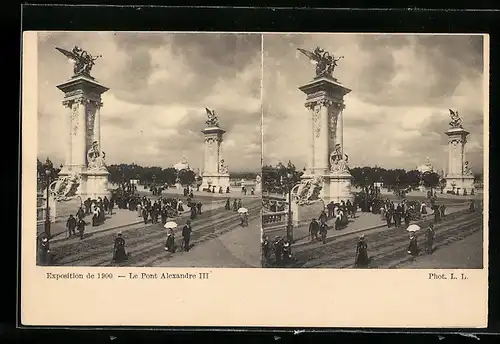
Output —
<point x="402" y="87"/>
<point x="159" y="86"/>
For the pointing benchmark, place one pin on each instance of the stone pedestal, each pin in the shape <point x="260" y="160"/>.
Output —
<point x="82" y="98"/>
<point x="95" y="185"/>
<point x="325" y="102"/>
<point x="304" y="213"/>
<point x="458" y="176"/>
<point x="214" y="173"/>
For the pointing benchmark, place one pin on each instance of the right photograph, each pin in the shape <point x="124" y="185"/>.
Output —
<point x="373" y="151"/>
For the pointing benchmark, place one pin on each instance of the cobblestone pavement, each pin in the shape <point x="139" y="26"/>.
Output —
<point x="463" y="254"/>
<point x="387" y="247"/>
<point x="145" y="243"/>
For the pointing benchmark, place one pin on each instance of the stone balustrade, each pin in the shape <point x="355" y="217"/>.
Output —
<point x="272" y="219"/>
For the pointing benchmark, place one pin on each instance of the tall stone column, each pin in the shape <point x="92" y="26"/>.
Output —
<point x="457" y="176"/>
<point x="325" y="102"/>
<point x="212" y="175"/>
<point x="82" y="94"/>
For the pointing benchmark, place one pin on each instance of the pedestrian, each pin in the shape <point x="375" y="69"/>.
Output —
<point x="266" y="248"/>
<point x="323" y="229"/>
<point x="413" y="246"/>
<point x="119" y="253"/>
<point x="145" y="215"/>
<point x="170" y="243"/>
<point x="436" y="213"/>
<point x="407" y="218"/>
<point x="361" y="253"/>
<point x="71" y="225"/>
<point x="313" y="229"/>
<point x="442" y="211"/>
<point x="186" y="234"/>
<point x="278" y="250"/>
<point x="228" y="204"/>
<point x="323" y="217"/>
<point x="472" y="206"/>
<point x="44" y="256"/>
<point x="430" y="239"/>
<point x="287" y="250"/>
<point x="81" y="228"/>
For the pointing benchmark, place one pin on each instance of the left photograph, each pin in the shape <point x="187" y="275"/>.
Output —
<point x="149" y="149"/>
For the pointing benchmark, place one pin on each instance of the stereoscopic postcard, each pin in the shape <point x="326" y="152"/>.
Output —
<point x="225" y="179"/>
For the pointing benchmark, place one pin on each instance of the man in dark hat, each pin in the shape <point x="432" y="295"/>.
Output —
<point x="429" y="235"/>
<point x="323" y="229"/>
<point x="43" y="250"/>
<point x="81" y="228"/>
<point x="186" y="234"/>
<point x="71" y="225"/>
<point x="313" y="229"/>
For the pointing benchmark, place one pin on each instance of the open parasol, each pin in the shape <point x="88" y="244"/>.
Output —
<point x="171" y="225"/>
<point x="243" y="210"/>
<point x="413" y="228"/>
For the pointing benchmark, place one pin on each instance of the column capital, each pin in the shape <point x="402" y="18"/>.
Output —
<point x="83" y="100"/>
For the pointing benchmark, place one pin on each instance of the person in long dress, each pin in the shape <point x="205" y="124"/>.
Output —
<point x="413" y="246"/>
<point x="119" y="253"/>
<point x="170" y="243"/>
<point x="361" y="253"/>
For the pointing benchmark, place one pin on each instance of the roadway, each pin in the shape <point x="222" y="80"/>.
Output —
<point x="387" y="247"/>
<point x="145" y="243"/>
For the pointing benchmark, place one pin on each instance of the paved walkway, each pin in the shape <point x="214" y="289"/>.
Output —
<point x="120" y="218"/>
<point x="234" y="193"/>
<point x="362" y="222"/>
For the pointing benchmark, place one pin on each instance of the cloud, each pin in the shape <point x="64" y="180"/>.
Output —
<point x="159" y="85"/>
<point x="397" y="112"/>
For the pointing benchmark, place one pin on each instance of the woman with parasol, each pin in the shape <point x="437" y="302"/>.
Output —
<point x="413" y="246"/>
<point x="170" y="242"/>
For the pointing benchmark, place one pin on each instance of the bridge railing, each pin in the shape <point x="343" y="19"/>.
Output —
<point x="273" y="219"/>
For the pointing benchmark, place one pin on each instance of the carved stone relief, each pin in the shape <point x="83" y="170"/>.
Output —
<point x="74" y="118"/>
<point x="316" y="120"/>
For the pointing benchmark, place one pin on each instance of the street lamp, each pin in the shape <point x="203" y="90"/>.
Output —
<point x="289" y="227"/>
<point x="47" y="209"/>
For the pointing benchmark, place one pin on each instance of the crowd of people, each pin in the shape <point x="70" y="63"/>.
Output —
<point x="393" y="214"/>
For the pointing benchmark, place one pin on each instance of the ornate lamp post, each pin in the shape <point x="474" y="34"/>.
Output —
<point x="48" y="173"/>
<point x="289" y="227"/>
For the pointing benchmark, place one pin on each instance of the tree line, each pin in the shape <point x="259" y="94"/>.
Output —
<point x="122" y="173"/>
<point x="276" y="178"/>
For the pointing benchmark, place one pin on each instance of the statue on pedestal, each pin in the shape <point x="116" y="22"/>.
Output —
<point x="96" y="157"/>
<point x="338" y="162"/>
<point x="212" y="120"/>
<point x="325" y="63"/>
<point x="223" y="168"/>
<point x="456" y="121"/>
<point x="83" y="61"/>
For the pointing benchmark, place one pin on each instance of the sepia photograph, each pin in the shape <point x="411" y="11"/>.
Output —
<point x="149" y="149"/>
<point x="373" y="151"/>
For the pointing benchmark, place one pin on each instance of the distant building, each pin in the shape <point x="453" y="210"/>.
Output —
<point x="182" y="165"/>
